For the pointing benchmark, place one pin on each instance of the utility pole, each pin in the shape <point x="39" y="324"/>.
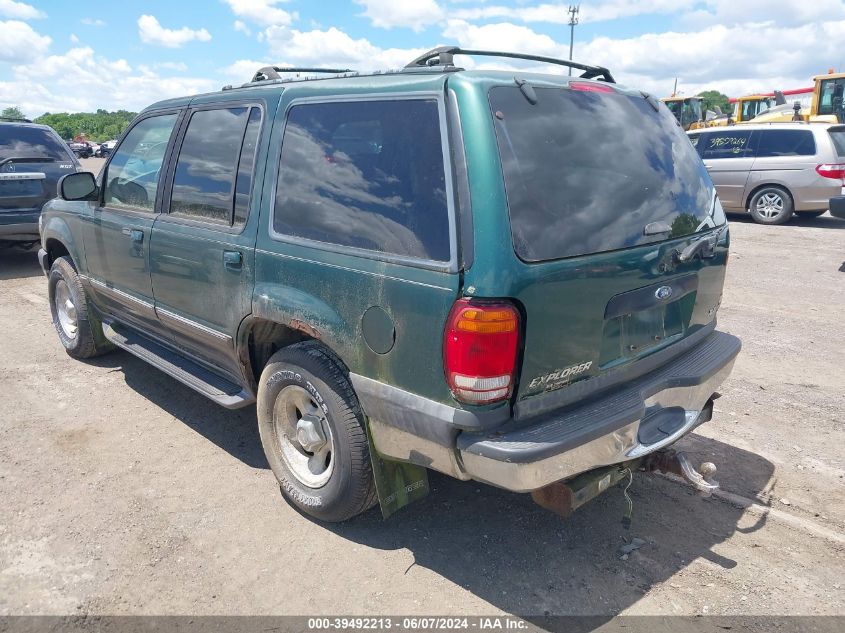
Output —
<point x="573" y="20"/>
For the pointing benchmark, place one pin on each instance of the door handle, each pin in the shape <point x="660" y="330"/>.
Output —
<point x="233" y="259"/>
<point x="136" y="235"/>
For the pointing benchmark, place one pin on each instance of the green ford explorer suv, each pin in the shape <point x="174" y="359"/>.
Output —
<point x="507" y="277"/>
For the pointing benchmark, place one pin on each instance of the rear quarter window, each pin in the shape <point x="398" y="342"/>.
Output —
<point x="367" y="175"/>
<point x="786" y="143"/>
<point x="837" y="135"/>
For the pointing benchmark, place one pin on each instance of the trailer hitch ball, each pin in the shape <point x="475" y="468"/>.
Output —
<point x="677" y="463"/>
<point x="707" y="469"/>
<point x="701" y="479"/>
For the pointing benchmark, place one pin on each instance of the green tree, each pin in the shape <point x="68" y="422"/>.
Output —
<point x="97" y="126"/>
<point x="713" y="99"/>
<point x="12" y="112"/>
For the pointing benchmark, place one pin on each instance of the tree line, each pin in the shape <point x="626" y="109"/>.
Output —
<point x="98" y="126"/>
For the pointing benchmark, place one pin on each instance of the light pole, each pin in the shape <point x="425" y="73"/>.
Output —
<point x="573" y="20"/>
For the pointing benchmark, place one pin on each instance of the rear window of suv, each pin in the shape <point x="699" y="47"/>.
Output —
<point x="585" y="172"/>
<point x="23" y="141"/>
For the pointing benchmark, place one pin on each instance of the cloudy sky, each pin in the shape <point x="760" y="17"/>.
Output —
<point x="79" y="56"/>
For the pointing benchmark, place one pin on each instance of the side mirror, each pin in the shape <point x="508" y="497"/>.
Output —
<point x="78" y="186"/>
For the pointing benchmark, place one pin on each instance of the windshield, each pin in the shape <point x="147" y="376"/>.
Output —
<point x="754" y="107"/>
<point x="31" y="142"/>
<point x="831" y="98"/>
<point x="693" y="111"/>
<point x="585" y="172"/>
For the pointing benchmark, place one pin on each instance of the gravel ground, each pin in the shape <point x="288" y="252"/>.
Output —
<point x="124" y="492"/>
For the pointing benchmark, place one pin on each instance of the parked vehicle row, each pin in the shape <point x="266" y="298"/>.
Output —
<point x="81" y="149"/>
<point x="511" y="281"/>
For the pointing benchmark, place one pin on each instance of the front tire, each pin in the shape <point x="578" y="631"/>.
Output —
<point x="313" y="434"/>
<point x="78" y="329"/>
<point x="771" y="205"/>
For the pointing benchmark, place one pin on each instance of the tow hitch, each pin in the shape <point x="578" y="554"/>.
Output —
<point x="564" y="498"/>
<point x="677" y="463"/>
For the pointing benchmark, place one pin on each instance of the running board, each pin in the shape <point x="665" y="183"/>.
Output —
<point x="216" y="388"/>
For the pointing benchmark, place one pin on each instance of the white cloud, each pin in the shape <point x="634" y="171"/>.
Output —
<point x="21" y="43"/>
<point x="694" y="13"/>
<point x="152" y="32"/>
<point x="263" y="12"/>
<point x="781" y="12"/>
<point x="332" y="48"/>
<point x="92" y="22"/>
<point x="492" y="36"/>
<point x="241" y="27"/>
<point x="558" y="13"/>
<point x="387" y="14"/>
<point x="242" y="70"/>
<point x="81" y="81"/>
<point x="20" y="10"/>
<point x="74" y="38"/>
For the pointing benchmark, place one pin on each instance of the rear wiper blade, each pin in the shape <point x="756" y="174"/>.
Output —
<point x="27" y="159"/>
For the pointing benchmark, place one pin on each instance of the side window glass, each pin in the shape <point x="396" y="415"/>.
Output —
<point x="204" y="182"/>
<point x="367" y="175"/>
<point x="786" y="143"/>
<point x="694" y="138"/>
<point x="730" y="144"/>
<point x="243" y="184"/>
<point x="133" y="174"/>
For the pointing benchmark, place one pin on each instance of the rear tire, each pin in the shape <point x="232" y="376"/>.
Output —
<point x="78" y="329"/>
<point x="314" y="435"/>
<point x="771" y="205"/>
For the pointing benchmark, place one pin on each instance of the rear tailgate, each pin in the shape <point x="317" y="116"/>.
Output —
<point x="27" y="183"/>
<point x="23" y="190"/>
<point x="604" y="193"/>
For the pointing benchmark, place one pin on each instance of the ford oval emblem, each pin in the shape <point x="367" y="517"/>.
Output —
<point x="663" y="293"/>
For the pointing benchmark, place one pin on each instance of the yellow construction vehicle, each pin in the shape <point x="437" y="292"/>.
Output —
<point x="687" y="111"/>
<point x="826" y="106"/>
<point x="746" y="108"/>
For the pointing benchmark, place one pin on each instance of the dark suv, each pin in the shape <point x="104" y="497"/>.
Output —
<point x="502" y="276"/>
<point x="32" y="159"/>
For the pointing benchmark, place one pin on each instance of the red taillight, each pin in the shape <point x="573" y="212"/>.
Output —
<point x="479" y="350"/>
<point x="836" y="171"/>
<point x="585" y="86"/>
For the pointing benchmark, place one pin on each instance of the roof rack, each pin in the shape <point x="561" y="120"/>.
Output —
<point x="442" y="56"/>
<point x="14" y="119"/>
<point x="268" y="73"/>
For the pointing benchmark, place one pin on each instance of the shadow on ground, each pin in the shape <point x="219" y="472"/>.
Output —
<point x="527" y="561"/>
<point x="825" y="221"/>
<point x="18" y="263"/>
<point x="499" y="545"/>
<point x="236" y="432"/>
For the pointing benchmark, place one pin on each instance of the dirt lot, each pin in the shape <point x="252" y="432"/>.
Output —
<point x="124" y="492"/>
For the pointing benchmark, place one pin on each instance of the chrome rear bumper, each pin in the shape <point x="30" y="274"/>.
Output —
<point x="640" y="418"/>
